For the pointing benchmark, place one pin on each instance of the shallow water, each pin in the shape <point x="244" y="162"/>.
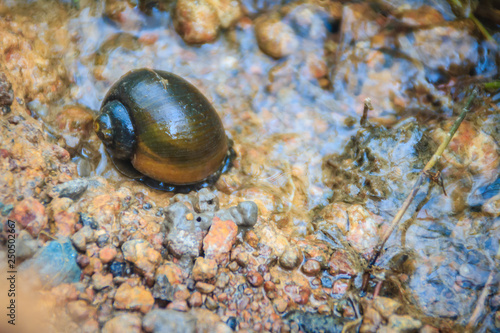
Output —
<point x="290" y="123"/>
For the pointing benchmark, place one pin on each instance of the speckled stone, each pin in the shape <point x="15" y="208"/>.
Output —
<point x="204" y="269"/>
<point x="291" y="258"/>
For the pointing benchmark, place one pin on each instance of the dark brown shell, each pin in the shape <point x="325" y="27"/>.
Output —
<point x="179" y="137"/>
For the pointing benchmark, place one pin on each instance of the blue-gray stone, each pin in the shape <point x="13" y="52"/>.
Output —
<point x="55" y="263"/>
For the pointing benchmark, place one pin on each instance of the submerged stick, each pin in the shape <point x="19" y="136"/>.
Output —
<point x="422" y="175"/>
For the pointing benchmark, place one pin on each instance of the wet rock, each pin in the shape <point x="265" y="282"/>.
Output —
<point x="204" y="288"/>
<point x="107" y="254"/>
<point x="123" y="322"/>
<point x="172" y="272"/>
<point x="204" y="269"/>
<point x="205" y="201"/>
<point x="72" y="189"/>
<point x="421" y="17"/>
<point x="159" y="321"/>
<point x="313" y="322"/>
<point x="447" y="47"/>
<point x="26" y="246"/>
<point x="219" y="240"/>
<point x="178" y="305"/>
<point x="385" y="306"/>
<point x="280" y="304"/>
<point x="211" y="303"/>
<point x="291" y="258"/>
<point x="195" y="300"/>
<point x="101" y="281"/>
<point x="229" y="11"/>
<point x="81" y="237"/>
<point x="275" y="38"/>
<point x="315" y="249"/>
<point x="255" y="279"/>
<point x="55" y="263"/>
<point x="80" y="310"/>
<point x="340" y="263"/>
<point x="404" y="324"/>
<point x="30" y="215"/>
<point x="311" y="267"/>
<point x="133" y="298"/>
<point x="162" y="289"/>
<point x="6" y="94"/>
<point x="249" y="212"/>
<point x="117" y="268"/>
<point x="184" y="243"/>
<point x="196" y="22"/>
<point x="142" y="254"/>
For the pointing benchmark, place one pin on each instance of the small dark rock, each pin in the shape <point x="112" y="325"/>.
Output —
<point x="72" y="189"/>
<point x="117" y="268"/>
<point x="232" y="322"/>
<point x="88" y="221"/>
<point x="6" y="92"/>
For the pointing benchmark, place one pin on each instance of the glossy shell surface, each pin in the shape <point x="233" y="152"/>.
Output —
<point x="179" y="137"/>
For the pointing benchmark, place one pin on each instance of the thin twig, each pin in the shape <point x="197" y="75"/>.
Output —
<point x="478" y="311"/>
<point x="367" y="106"/>
<point x="416" y="187"/>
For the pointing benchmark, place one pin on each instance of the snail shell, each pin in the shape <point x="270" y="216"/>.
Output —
<point x="160" y="129"/>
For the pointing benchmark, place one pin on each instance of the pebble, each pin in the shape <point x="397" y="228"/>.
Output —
<point x="55" y="263"/>
<point x="26" y="246"/>
<point x="280" y="304"/>
<point x="123" y="322"/>
<point x="133" y="298"/>
<point x="196" y="22"/>
<point x="195" y="300"/>
<point x="291" y="258"/>
<point x="142" y="254"/>
<point x="205" y="201"/>
<point x="219" y="240"/>
<point x="404" y="324"/>
<point x="311" y="267"/>
<point x="30" y="215"/>
<point x="269" y="286"/>
<point x="340" y="263"/>
<point x="100" y="281"/>
<point x="117" y="268"/>
<point x="6" y="92"/>
<point x="385" y="306"/>
<point x="255" y="279"/>
<point x="205" y="288"/>
<point x="211" y="303"/>
<point x="204" y="269"/>
<point x="72" y="189"/>
<point x="172" y="271"/>
<point x="242" y="259"/>
<point x="107" y="254"/>
<point x="222" y="280"/>
<point x="274" y="37"/>
<point x="178" y="305"/>
<point x="245" y="214"/>
<point x="81" y="237"/>
<point x="252" y="239"/>
<point x="233" y="266"/>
